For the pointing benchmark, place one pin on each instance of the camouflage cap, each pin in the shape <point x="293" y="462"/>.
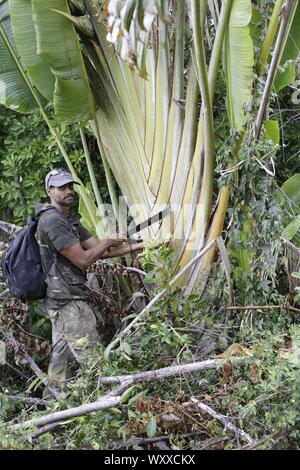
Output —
<point x="58" y="177"/>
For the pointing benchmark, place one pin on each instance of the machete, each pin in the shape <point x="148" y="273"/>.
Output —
<point x="147" y="223"/>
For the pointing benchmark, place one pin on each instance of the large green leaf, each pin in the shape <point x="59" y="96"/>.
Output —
<point x="292" y="229"/>
<point x="291" y="187"/>
<point x="286" y="73"/>
<point x="239" y="61"/>
<point x="90" y="216"/>
<point x="58" y="46"/>
<point x="25" y="38"/>
<point x="272" y="130"/>
<point x="15" y="88"/>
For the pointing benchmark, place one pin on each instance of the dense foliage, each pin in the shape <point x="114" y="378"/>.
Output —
<point x="260" y="395"/>
<point x="246" y="313"/>
<point x="27" y="152"/>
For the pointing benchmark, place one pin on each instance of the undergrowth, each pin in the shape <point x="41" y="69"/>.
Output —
<point x="260" y="395"/>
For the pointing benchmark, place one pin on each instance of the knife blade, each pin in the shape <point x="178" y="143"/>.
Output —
<point x="148" y="222"/>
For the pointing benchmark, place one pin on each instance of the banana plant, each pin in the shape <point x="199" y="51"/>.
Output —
<point x="129" y="70"/>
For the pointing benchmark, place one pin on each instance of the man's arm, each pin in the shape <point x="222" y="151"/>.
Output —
<point x="89" y="243"/>
<point x="122" y="250"/>
<point x="82" y="258"/>
<point x="113" y="251"/>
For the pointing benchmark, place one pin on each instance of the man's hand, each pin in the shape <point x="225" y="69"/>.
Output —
<point x="137" y="246"/>
<point x="123" y="250"/>
<point x="92" y="250"/>
<point x="115" y="240"/>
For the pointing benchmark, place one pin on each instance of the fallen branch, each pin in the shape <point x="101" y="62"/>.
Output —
<point x="50" y="427"/>
<point x="113" y="398"/>
<point x="16" y="370"/>
<point x="103" y="404"/>
<point x="43" y="430"/>
<point x="169" y="371"/>
<point x="209" y="443"/>
<point x="30" y="401"/>
<point x="110" y="400"/>
<point x="155" y="299"/>
<point x="262" y="307"/>
<point x="224" y="420"/>
<point x="9" y="337"/>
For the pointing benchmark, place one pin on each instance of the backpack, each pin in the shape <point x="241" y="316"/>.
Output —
<point x="22" y="265"/>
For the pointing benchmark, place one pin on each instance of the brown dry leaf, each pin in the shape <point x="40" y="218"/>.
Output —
<point x="235" y="349"/>
<point x="227" y="370"/>
<point x="133" y="426"/>
<point x="181" y="394"/>
<point x="144" y="406"/>
<point x="255" y="373"/>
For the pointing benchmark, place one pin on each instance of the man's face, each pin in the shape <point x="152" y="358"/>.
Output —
<point x="63" y="195"/>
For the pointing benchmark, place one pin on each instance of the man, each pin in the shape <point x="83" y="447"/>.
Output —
<point x="67" y="249"/>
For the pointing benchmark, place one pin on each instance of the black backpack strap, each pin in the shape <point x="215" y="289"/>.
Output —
<point x="37" y="217"/>
<point x="54" y="258"/>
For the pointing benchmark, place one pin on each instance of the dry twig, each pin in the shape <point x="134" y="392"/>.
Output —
<point x="224" y="420"/>
<point x="29" y="400"/>
<point x="9" y="337"/>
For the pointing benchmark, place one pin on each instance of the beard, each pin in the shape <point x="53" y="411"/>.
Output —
<point x="65" y="201"/>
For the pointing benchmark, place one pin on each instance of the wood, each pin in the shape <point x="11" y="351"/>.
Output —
<point x="29" y="400"/>
<point x="224" y="420"/>
<point x="43" y="430"/>
<point x="170" y="371"/>
<point x="135" y="441"/>
<point x="114" y="398"/>
<point x="106" y="402"/>
<point x="9" y="337"/>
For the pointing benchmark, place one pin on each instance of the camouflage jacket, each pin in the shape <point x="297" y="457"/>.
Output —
<point x="65" y="281"/>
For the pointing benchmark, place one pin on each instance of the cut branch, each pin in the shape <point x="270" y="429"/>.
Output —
<point x="43" y="430"/>
<point x="9" y="337"/>
<point x="169" y="371"/>
<point x="224" y="420"/>
<point x="30" y="401"/>
<point x="103" y="404"/>
<point x="114" y="397"/>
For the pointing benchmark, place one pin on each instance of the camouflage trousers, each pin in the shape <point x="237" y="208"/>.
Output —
<point x="74" y="336"/>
